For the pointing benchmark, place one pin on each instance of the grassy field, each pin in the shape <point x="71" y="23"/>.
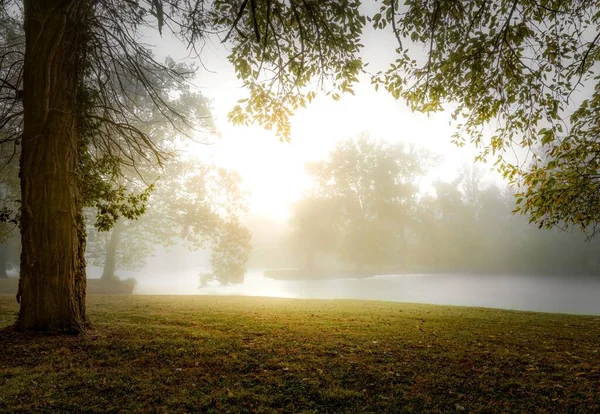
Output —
<point x="234" y="354"/>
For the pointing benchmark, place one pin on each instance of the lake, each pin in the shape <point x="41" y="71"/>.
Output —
<point x="536" y="293"/>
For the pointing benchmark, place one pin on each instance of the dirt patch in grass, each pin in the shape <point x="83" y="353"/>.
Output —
<point x="234" y="354"/>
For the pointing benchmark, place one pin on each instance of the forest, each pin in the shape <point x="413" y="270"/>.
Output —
<point x="364" y="209"/>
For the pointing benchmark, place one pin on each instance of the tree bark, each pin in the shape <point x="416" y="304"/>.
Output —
<point x="3" y="261"/>
<point x="52" y="280"/>
<point x="110" y="264"/>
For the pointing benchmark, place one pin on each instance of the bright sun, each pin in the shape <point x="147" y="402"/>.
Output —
<point x="273" y="171"/>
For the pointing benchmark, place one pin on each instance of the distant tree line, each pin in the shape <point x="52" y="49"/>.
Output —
<point x="364" y="212"/>
<point x="470" y="227"/>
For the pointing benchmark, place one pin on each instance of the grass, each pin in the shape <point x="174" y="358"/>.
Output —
<point x="234" y="354"/>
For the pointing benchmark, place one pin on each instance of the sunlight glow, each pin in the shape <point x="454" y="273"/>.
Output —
<point x="273" y="171"/>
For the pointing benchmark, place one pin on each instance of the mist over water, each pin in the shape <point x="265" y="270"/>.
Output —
<point x="578" y="295"/>
<point x="382" y="224"/>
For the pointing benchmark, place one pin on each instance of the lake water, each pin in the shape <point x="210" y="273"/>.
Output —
<point x="536" y="293"/>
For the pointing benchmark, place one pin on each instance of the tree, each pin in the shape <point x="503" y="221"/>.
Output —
<point x="471" y="187"/>
<point x="230" y="250"/>
<point x="313" y="222"/>
<point x="107" y="146"/>
<point x="373" y="186"/>
<point x="180" y="188"/>
<point x="452" y="226"/>
<point x="52" y="279"/>
<point x="78" y="111"/>
<point x="526" y="69"/>
<point x="451" y="238"/>
<point x="189" y="203"/>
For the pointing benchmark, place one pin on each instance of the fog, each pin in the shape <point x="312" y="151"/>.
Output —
<point x="368" y="201"/>
<point x="524" y="292"/>
<point x="176" y="271"/>
<point x="363" y="229"/>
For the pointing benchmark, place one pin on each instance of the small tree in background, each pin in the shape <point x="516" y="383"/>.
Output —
<point x="230" y="250"/>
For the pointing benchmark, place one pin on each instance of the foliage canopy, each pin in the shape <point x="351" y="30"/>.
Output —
<point x="525" y="70"/>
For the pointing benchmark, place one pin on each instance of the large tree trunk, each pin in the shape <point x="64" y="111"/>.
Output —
<point x="3" y="261"/>
<point x="110" y="264"/>
<point x="52" y="283"/>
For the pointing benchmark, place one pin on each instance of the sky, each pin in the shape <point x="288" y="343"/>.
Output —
<point x="273" y="171"/>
